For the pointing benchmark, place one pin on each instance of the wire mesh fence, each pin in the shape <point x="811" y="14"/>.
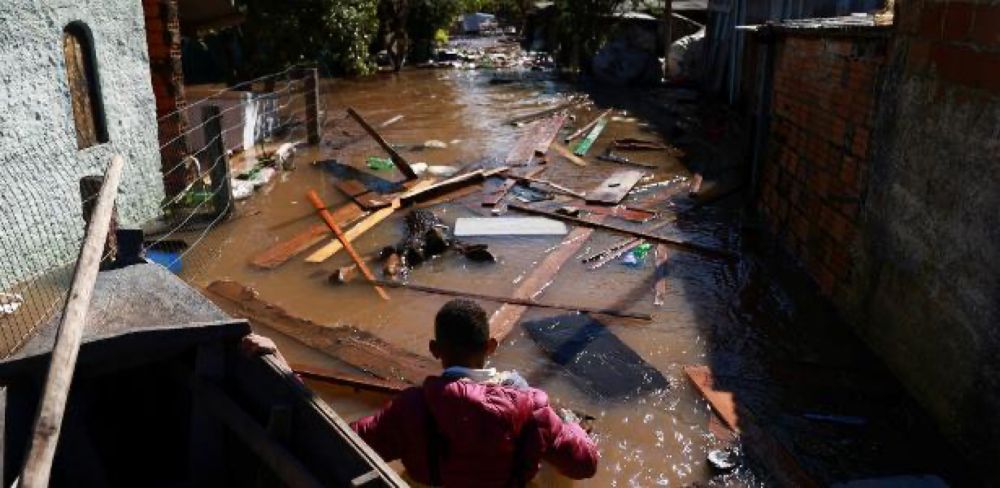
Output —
<point x="225" y="139"/>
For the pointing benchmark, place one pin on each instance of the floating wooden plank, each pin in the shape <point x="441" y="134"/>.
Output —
<point x="524" y="119"/>
<point x="539" y="278"/>
<point x="334" y="377"/>
<point x="349" y="345"/>
<point x="508" y="226"/>
<point x="335" y="245"/>
<point x="495" y="191"/>
<point x="328" y="219"/>
<point x="514" y="300"/>
<point x="566" y="153"/>
<point x="630" y="214"/>
<point x="760" y="444"/>
<point x="586" y="127"/>
<point x="587" y="142"/>
<point x="625" y="242"/>
<point x="616" y="253"/>
<point x="594" y="223"/>
<point x="612" y="157"/>
<point x="401" y="163"/>
<point x="629" y="144"/>
<point x="536" y="140"/>
<point x="427" y="192"/>
<point x="596" y="360"/>
<point x="280" y="253"/>
<point x="660" y="287"/>
<point x="351" y="139"/>
<point x="613" y="190"/>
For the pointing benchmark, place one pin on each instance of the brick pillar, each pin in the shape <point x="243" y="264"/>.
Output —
<point x="163" y="38"/>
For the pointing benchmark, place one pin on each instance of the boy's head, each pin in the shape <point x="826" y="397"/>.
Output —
<point x="462" y="335"/>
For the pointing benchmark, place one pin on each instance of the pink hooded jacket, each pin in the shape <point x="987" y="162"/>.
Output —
<point x="481" y="429"/>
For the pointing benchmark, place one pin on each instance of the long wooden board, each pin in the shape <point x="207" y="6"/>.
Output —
<point x="587" y="142"/>
<point x="334" y="246"/>
<point x="613" y="190"/>
<point x="540" y="277"/>
<point x="566" y="153"/>
<point x="537" y="140"/>
<point x="349" y="345"/>
<point x="595" y="223"/>
<point x="586" y="127"/>
<point x="397" y="159"/>
<point x="281" y="252"/>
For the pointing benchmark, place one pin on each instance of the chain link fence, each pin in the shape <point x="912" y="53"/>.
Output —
<point x="227" y="135"/>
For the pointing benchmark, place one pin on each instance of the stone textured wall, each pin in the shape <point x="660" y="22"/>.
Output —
<point x="823" y="107"/>
<point x="40" y="221"/>
<point x="928" y="297"/>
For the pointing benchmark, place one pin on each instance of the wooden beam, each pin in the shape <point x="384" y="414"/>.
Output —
<point x="613" y="190"/>
<point x="427" y="192"/>
<point x="328" y="218"/>
<point x="682" y="245"/>
<point x="349" y="345"/>
<point x="352" y="234"/>
<point x="589" y="125"/>
<point x="616" y="253"/>
<point x="545" y="113"/>
<point x="587" y="142"/>
<point x="281" y="252"/>
<point x="334" y="377"/>
<point x="527" y="302"/>
<point x="539" y="278"/>
<point x="401" y="163"/>
<point x="535" y="141"/>
<point x="52" y="406"/>
<point x="566" y="153"/>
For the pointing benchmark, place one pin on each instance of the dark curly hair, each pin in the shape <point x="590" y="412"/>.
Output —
<point x="462" y="324"/>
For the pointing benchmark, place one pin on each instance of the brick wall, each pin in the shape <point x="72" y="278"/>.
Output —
<point x="166" y="73"/>
<point x="814" y="177"/>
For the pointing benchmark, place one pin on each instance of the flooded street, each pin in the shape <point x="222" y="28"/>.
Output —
<point x="764" y="338"/>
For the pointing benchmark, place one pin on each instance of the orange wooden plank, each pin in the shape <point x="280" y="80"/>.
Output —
<point x="281" y="252"/>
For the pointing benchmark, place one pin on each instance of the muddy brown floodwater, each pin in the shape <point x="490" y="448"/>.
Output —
<point x="653" y="439"/>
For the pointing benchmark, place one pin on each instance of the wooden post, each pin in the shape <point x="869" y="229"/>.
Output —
<point x="45" y="436"/>
<point x="311" y="78"/>
<point x="401" y="163"/>
<point x="214" y="157"/>
<point x="90" y="189"/>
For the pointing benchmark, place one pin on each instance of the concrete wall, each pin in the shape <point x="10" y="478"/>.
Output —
<point x="40" y="166"/>
<point x="883" y="180"/>
<point x="928" y="297"/>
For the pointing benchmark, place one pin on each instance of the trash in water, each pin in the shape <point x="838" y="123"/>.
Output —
<point x="380" y="164"/>
<point x="241" y="189"/>
<point x="436" y="144"/>
<point x="442" y="171"/>
<point x="10" y="302"/>
<point x="637" y="257"/>
<point x="529" y="195"/>
<point x="723" y="459"/>
<point x="419" y="168"/>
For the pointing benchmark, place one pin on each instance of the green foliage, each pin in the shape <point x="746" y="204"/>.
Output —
<point x="583" y="26"/>
<point x="280" y="33"/>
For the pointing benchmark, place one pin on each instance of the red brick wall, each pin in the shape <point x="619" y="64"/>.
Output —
<point x="813" y="179"/>
<point x="166" y="73"/>
<point x="954" y="42"/>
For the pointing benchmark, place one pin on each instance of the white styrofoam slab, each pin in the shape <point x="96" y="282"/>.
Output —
<point x="508" y="226"/>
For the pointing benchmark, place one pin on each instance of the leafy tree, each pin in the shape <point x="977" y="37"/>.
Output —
<point x="281" y="33"/>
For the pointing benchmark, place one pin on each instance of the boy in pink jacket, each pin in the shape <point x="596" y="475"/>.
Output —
<point x="473" y="426"/>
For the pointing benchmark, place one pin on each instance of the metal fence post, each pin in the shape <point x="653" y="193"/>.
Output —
<point x="217" y="161"/>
